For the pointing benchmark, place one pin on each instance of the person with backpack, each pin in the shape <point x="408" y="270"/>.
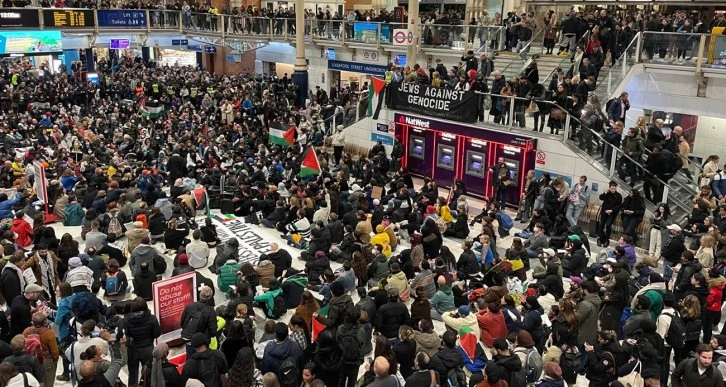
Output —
<point x="509" y="364"/>
<point x="670" y="326"/>
<point x="529" y="356"/>
<point x="199" y="317"/>
<point x="283" y="357"/>
<point x="350" y="337"/>
<point x="143" y="328"/>
<point x="207" y="365"/>
<point x="272" y="301"/>
<point x="25" y="362"/>
<point x="698" y="371"/>
<point x="447" y="358"/>
<point x="114" y="281"/>
<point x="40" y="341"/>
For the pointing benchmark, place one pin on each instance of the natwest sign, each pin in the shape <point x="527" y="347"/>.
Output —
<point x="415" y="122"/>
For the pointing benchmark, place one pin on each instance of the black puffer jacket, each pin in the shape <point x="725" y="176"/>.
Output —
<point x="143" y="328"/>
<point x="445" y="360"/>
<point x="390" y="317"/>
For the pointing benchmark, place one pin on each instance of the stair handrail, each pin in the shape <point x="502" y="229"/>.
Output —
<point x="567" y="57"/>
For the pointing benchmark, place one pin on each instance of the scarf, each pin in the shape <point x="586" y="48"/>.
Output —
<point x="46" y="273"/>
<point x="161" y="351"/>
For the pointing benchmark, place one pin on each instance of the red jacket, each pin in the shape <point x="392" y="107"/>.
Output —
<point x="23" y="232"/>
<point x="715" y="294"/>
<point x="492" y="326"/>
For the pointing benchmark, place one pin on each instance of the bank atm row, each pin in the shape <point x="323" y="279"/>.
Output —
<point x="444" y="157"/>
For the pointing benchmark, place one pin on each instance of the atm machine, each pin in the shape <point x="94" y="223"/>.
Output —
<point x="475" y="166"/>
<point x="418" y="155"/>
<point x="513" y="158"/>
<point x="445" y="168"/>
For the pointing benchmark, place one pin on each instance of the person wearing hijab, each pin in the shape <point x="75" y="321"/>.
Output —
<point x="552" y="376"/>
<point x="162" y="373"/>
<point x="532" y="321"/>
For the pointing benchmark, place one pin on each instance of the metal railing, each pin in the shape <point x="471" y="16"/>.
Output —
<point x="567" y="60"/>
<point x="455" y="37"/>
<point x="519" y="61"/>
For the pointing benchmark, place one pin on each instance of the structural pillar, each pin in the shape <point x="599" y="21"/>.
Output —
<point x="413" y="26"/>
<point x="300" y="69"/>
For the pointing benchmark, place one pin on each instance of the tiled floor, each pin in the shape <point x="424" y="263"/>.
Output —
<point x="273" y="236"/>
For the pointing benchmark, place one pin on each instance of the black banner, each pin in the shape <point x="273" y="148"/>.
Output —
<point x="19" y="18"/>
<point x="69" y="18"/>
<point x="435" y="102"/>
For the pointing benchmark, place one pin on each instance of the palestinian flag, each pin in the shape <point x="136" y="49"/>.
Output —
<point x="151" y="109"/>
<point x="375" y="97"/>
<point x="310" y="165"/>
<point x="201" y="197"/>
<point x="317" y="325"/>
<point x="472" y="352"/>
<point x="281" y="135"/>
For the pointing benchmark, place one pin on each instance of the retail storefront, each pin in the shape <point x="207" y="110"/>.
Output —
<point x="353" y="74"/>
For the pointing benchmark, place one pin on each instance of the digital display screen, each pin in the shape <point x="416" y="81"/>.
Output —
<point x="475" y="165"/>
<point x="416" y="145"/>
<point x="69" y="18"/>
<point x="119" y="44"/>
<point x="19" y="18"/>
<point x="92" y="77"/>
<point x="445" y="157"/>
<point x="399" y="60"/>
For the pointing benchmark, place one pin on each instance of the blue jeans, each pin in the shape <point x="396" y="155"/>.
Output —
<point x="524" y="234"/>
<point x="573" y="214"/>
<point x="531" y="253"/>
<point x="667" y="271"/>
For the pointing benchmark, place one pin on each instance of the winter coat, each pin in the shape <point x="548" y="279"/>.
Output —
<point x="266" y="272"/>
<point x="74" y="215"/>
<point x="586" y="312"/>
<point x="445" y="360"/>
<point x="227" y="275"/>
<point x="336" y="311"/>
<point x="715" y="293"/>
<point x="390" y="317"/>
<point x="427" y="342"/>
<point x="143" y="328"/>
<point x="443" y="300"/>
<point x="492" y="326"/>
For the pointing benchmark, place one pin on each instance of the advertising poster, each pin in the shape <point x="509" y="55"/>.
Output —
<point x="171" y="296"/>
<point x="27" y="42"/>
<point x="365" y="33"/>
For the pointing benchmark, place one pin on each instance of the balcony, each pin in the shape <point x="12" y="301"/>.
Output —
<point x="433" y="38"/>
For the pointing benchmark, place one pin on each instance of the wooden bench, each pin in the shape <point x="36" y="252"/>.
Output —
<point x="592" y="212"/>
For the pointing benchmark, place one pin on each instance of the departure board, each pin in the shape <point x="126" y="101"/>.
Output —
<point x="74" y="18"/>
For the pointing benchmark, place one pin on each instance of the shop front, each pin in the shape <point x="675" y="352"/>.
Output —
<point x="354" y="74"/>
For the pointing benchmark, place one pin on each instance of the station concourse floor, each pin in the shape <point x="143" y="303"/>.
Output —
<point x="271" y="235"/>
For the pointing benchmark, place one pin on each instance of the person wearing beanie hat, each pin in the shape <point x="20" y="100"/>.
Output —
<point x="552" y="371"/>
<point x="462" y="317"/>
<point x="78" y="276"/>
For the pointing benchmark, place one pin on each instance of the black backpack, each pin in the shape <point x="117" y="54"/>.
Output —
<point x="350" y="350"/>
<point x="693" y="330"/>
<point x="571" y="363"/>
<point x="279" y="308"/>
<point x="456" y="378"/>
<point x="609" y="103"/>
<point x="288" y="374"/>
<point x="192" y="323"/>
<point x="676" y="335"/>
